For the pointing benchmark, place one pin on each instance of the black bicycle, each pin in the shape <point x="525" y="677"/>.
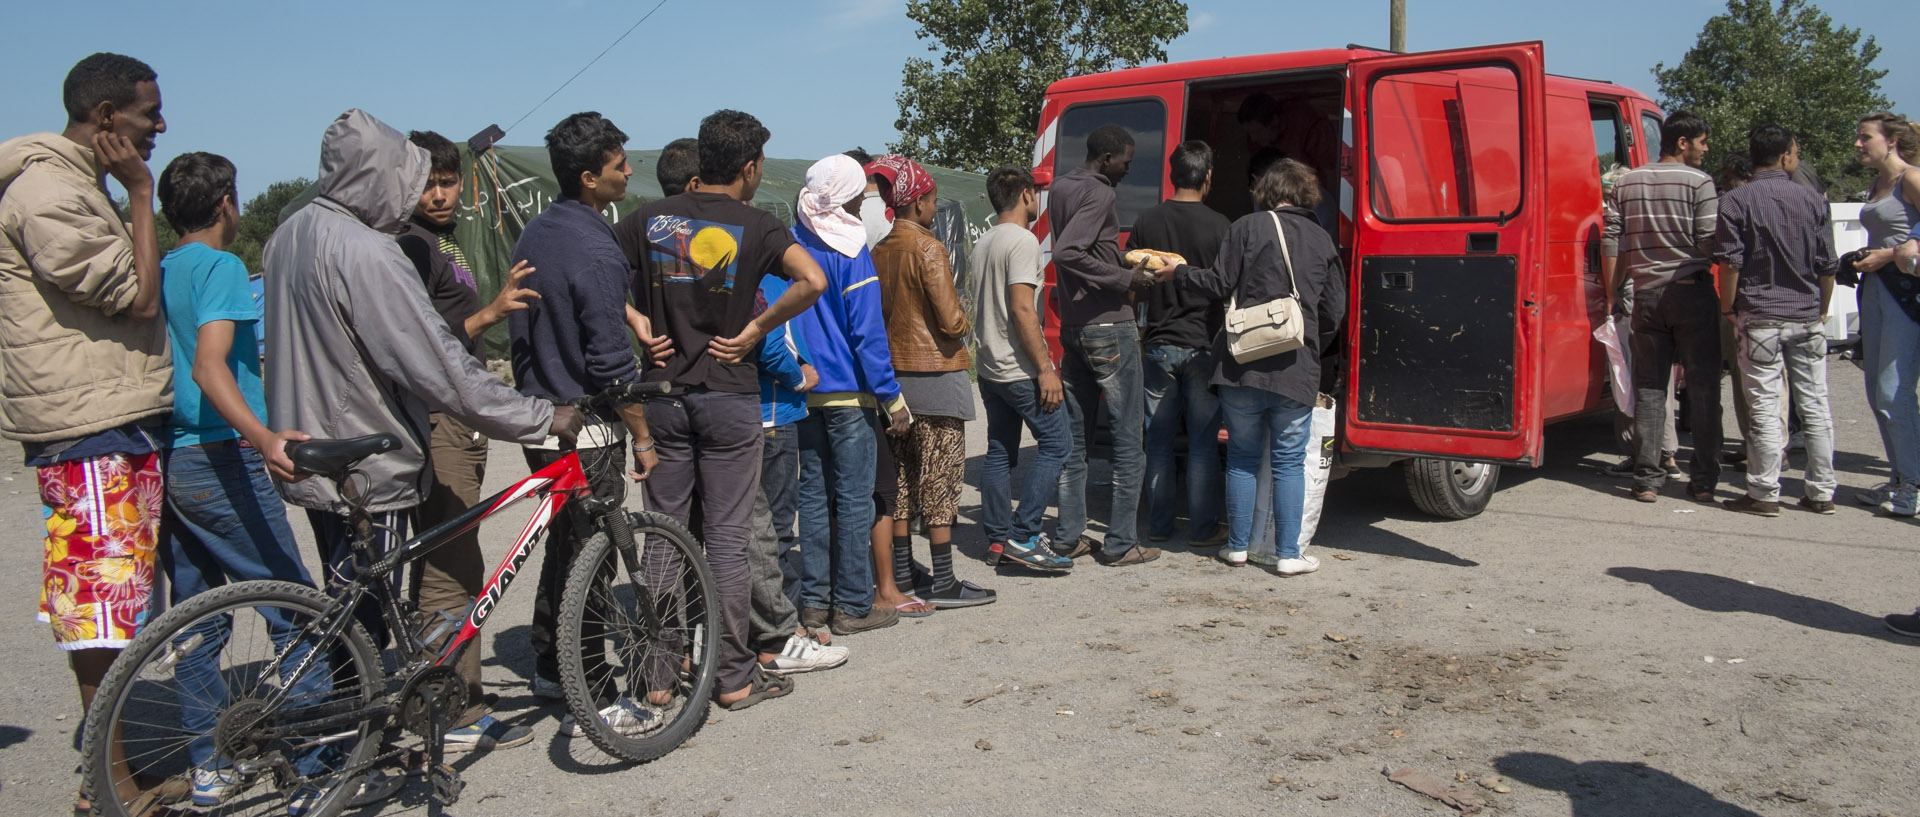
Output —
<point x="290" y="710"/>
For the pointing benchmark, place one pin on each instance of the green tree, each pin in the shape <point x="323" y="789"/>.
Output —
<point x="980" y="106"/>
<point x="260" y="215"/>
<point x="1788" y="64"/>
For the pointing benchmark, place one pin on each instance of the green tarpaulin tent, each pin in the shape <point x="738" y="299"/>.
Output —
<point x="507" y="185"/>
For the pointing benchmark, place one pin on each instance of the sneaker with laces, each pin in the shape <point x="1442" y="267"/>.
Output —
<point x="1296" y="567"/>
<point x="211" y="787"/>
<point x="1623" y="468"/>
<point x="1035" y="553"/>
<point x="1819" y="506"/>
<point x="805" y="655"/>
<point x="1905" y="501"/>
<point x="548" y="690"/>
<point x="486" y="734"/>
<point x="625" y="716"/>
<point x="1757" y="507"/>
<point x="1876" y="496"/>
<point x="1907" y="624"/>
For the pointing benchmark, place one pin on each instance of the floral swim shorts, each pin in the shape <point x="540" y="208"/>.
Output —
<point x="103" y="520"/>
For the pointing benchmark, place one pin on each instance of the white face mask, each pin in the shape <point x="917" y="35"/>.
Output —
<point x="876" y="218"/>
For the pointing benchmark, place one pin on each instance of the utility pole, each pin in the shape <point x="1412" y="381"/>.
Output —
<point x="1397" y="25"/>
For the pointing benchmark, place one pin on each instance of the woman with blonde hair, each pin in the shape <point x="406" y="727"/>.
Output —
<point x="1890" y="307"/>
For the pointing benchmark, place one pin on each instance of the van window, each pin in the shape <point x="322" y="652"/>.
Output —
<point x="1445" y="144"/>
<point x="1146" y="119"/>
<point x="1650" y="135"/>
<point x="1609" y="140"/>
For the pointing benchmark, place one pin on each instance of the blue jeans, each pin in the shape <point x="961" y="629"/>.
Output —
<point x="1177" y="390"/>
<point x="837" y="450"/>
<point x="1892" y="346"/>
<point x="1009" y="405"/>
<point x="1103" y="361"/>
<point x="1251" y="415"/>
<point x="223" y="523"/>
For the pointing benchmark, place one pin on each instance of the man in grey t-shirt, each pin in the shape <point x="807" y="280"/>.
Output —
<point x="1017" y="381"/>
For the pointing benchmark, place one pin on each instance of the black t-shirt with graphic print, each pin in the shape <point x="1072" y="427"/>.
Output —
<point x="697" y="260"/>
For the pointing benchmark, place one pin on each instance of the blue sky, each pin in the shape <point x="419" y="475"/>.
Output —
<point x="259" y="81"/>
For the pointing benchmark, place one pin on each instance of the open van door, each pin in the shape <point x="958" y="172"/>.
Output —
<point x="1444" y="330"/>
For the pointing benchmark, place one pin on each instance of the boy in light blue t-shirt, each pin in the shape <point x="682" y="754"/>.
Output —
<point x="223" y="522"/>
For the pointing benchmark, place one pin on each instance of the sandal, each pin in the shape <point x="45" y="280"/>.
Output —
<point x="765" y="686"/>
<point x="911" y="601"/>
<point x="959" y="594"/>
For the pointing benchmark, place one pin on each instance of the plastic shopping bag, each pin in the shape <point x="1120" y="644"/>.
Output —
<point x="1613" y="334"/>
<point x="1319" y="464"/>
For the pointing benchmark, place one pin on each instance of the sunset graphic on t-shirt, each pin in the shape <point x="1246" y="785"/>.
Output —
<point x="690" y="251"/>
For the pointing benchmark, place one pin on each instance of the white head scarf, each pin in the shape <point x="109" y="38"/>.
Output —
<point x="831" y="183"/>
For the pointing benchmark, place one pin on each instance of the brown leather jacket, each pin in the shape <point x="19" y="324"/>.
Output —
<point x="926" y="324"/>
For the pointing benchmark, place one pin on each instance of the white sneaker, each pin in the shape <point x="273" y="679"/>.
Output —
<point x="550" y="690"/>
<point x="625" y="716"/>
<point x="1295" y="567"/>
<point x="1233" y="558"/>
<point x="805" y="655"/>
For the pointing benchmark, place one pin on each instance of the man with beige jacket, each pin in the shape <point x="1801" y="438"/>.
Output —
<point x="88" y="381"/>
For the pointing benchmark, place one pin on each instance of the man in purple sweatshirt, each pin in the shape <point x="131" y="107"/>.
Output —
<point x="1101" y="347"/>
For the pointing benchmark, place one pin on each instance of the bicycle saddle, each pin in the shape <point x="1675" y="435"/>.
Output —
<point x="334" y="458"/>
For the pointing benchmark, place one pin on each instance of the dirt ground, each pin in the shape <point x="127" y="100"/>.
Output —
<point x="1569" y="652"/>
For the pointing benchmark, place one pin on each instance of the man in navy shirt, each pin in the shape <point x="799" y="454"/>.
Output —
<point x="573" y="342"/>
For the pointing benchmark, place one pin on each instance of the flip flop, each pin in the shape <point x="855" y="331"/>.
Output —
<point x="959" y="594"/>
<point x="911" y="601"/>
<point x="765" y="686"/>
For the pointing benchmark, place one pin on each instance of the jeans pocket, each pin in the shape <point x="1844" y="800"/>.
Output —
<point x="1761" y="345"/>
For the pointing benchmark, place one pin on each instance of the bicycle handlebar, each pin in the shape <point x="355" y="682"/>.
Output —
<point x="622" y="393"/>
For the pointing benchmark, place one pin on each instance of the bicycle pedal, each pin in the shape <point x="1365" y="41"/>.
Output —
<point x="446" y="784"/>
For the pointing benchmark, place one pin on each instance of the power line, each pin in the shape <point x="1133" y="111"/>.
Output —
<point x="583" y="69"/>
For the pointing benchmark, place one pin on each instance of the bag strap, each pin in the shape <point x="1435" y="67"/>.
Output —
<point x="1285" y="254"/>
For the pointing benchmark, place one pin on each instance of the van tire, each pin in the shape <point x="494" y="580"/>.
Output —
<point x="1451" y="489"/>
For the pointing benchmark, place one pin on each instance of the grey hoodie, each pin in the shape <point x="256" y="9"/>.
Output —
<point x="353" y="345"/>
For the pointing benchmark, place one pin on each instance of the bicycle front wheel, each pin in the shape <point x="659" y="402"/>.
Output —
<point x="235" y="692"/>
<point x="658" y="632"/>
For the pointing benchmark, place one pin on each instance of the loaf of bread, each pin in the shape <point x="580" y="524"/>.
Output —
<point x="1152" y="257"/>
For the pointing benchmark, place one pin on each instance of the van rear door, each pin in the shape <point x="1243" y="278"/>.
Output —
<point x="1444" y="333"/>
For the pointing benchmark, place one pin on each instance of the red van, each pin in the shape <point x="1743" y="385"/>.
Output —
<point x="1468" y="192"/>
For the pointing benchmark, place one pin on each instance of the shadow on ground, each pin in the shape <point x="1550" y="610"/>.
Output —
<point x="1602" y="788"/>
<point x="1719" y="594"/>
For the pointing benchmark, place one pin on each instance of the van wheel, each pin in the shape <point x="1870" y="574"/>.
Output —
<point x="1451" y="489"/>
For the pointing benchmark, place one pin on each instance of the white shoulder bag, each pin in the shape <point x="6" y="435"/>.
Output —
<point x="1267" y="329"/>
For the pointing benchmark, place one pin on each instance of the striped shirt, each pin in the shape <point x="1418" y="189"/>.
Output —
<point x="1660" y="223"/>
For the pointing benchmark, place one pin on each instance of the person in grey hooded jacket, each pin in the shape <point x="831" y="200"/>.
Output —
<point x="354" y="347"/>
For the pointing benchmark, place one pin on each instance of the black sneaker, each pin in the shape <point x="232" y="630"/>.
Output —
<point x="1623" y="468"/>
<point x="1907" y="624"/>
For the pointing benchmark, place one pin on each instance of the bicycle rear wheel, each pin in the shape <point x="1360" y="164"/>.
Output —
<point x="208" y="695"/>
<point x="607" y="637"/>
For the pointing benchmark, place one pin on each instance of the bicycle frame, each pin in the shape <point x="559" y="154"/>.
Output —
<point x="554" y="485"/>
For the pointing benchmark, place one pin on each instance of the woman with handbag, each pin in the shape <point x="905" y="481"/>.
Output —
<point x="1890" y="307"/>
<point x="1287" y="297"/>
